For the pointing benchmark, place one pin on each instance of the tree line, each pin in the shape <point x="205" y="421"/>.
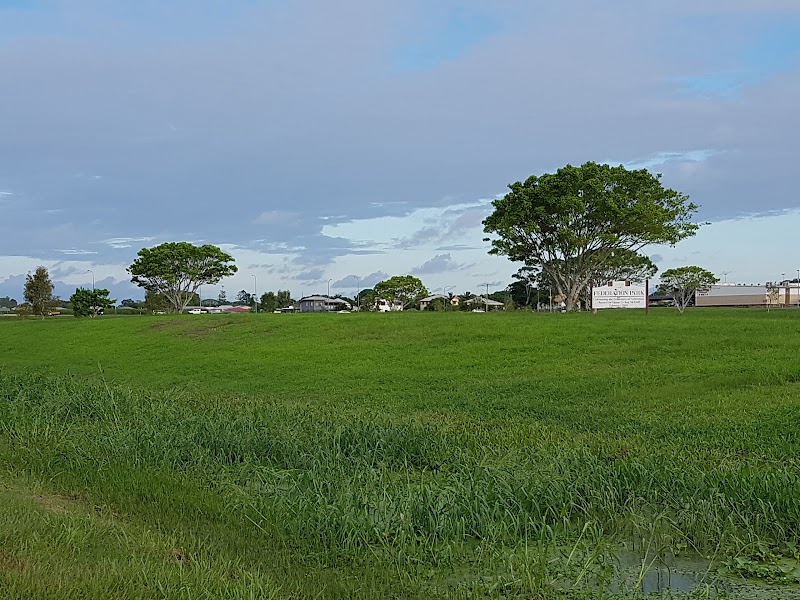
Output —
<point x="570" y="230"/>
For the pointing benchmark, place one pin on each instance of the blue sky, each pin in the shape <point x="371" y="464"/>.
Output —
<point x="351" y="141"/>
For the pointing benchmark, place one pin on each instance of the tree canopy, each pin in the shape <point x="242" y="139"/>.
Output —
<point x="39" y="291"/>
<point x="401" y="289"/>
<point x="90" y="303"/>
<point x="269" y="302"/>
<point x="682" y="283"/>
<point x="624" y="265"/>
<point x="176" y="270"/>
<point x="571" y="223"/>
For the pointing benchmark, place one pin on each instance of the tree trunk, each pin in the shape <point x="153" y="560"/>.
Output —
<point x="571" y="299"/>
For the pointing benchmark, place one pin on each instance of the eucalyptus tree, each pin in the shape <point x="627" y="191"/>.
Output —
<point x="38" y="291"/>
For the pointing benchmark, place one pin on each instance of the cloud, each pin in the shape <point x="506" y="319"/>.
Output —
<point x="457" y="248"/>
<point x="277" y="217"/>
<point x="125" y="242"/>
<point x="353" y="281"/>
<point x="661" y="158"/>
<point x="419" y="238"/>
<point x="76" y="251"/>
<point x="310" y="275"/>
<point x="441" y="263"/>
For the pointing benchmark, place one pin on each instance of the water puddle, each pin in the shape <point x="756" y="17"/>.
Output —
<point x="667" y="575"/>
<point x="651" y="574"/>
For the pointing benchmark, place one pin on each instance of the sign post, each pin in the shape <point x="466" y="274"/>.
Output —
<point x="620" y="294"/>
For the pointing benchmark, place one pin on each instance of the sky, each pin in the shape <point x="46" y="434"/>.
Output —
<point x="329" y="145"/>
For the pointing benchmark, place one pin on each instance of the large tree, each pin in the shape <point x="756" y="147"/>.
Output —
<point x="90" y="303"/>
<point x="401" y="289"/>
<point x="39" y="291"/>
<point x="571" y="222"/>
<point x="177" y="269"/>
<point x="682" y="283"/>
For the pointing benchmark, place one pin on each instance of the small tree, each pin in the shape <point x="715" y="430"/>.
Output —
<point x="90" y="303"/>
<point x="244" y="298"/>
<point x="178" y="269"/>
<point x="682" y="283"/>
<point x="39" y="292"/>
<point x="283" y="298"/>
<point x="773" y="295"/>
<point x="366" y="299"/>
<point x="401" y="289"/>
<point x="269" y="302"/>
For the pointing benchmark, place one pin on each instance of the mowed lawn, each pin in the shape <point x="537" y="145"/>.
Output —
<point x="397" y="455"/>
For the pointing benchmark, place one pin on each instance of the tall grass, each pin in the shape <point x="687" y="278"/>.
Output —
<point x="442" y="468"/>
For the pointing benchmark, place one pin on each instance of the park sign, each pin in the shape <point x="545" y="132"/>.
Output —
<point x="619" y="294"/>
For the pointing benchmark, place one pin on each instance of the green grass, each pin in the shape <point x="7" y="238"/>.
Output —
<point x="404" y="455"/>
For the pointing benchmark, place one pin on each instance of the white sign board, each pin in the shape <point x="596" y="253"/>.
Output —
<point x="619" y="294"/>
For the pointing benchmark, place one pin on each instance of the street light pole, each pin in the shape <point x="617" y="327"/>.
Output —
<point x="255" y="292"/>
<point x="447" y="298"/>
<point x="92" y="272"/>
<point x="329" y="287"/>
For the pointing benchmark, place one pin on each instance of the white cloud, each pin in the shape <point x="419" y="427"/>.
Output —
<point x="125" y="242"/>
<point x="75" y="251"/>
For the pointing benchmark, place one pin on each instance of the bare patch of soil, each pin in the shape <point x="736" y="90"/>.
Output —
<point x="9" y="562"/>
<point x="179" y="556"/>
<point x="57" y="504"/>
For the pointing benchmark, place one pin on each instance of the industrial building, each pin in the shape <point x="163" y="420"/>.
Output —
<point x="731" y="294"/>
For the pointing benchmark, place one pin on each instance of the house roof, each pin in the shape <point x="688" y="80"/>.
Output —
<point x="324" y="299"/>
<point x="435" y="297"/>
<point x="483" y="300"/>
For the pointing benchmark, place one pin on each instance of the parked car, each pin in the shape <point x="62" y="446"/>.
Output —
<point x="197" y="311"/>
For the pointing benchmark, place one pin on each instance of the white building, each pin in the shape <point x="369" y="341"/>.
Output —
<point x="387" y="306"/>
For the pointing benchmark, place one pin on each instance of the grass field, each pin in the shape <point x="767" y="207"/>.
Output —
<point x="401" y="456"/>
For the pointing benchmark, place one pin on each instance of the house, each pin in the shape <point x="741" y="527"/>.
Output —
<point x="323" y="304"/>
<point x="485" y="303"/>
<point x="425" y="302"/>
